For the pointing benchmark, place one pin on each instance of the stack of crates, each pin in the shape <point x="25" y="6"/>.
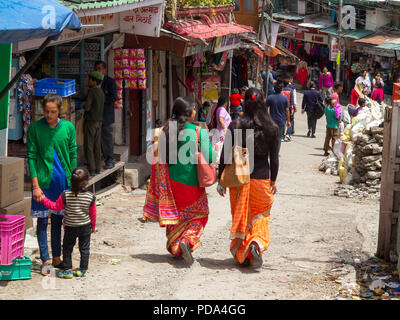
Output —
<point x="13" y="264"/>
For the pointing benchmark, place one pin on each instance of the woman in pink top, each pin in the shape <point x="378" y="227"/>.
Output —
<point x="222" y="120"/>
<point x="326" y="83"/>
<point x="377" y="94"/>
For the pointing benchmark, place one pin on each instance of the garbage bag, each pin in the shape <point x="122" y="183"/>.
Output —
<point x="342" y="171"/>
<point x="339" y="147"/>
<point x="346" y="118"/>
<point x="348" y="157"/>
<point x="346" y="134"/>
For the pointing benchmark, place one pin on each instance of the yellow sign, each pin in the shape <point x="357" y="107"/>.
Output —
<point x="210" y="95"/>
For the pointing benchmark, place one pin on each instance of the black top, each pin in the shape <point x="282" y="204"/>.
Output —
<point x="109" y="87"/>
<point x="265" y="166"/>
<point x="310" y="100"/>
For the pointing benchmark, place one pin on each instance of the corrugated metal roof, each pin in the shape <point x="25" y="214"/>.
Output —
<point x="381" y="38"/>
<point x="390" y="46"/>
<point x="287" y="16"/>
<point x="93" y="4"/>
<point x="354" y="34"/>
<point x="316" y="23"/>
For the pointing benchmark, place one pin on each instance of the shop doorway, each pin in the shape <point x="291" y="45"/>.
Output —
<point x="135" y="122"/>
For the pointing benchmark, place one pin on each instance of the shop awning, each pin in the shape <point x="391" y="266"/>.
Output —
<point x="380" y="39"/>
<point x="390" y="46"/>
<point x="23" y="20"/>
<point x="316" y="23"/>
<point x="207" y="28"/>
<point x="288" y="16"/>
<point x="106" y="6"/>
<point x="353" y="34"/>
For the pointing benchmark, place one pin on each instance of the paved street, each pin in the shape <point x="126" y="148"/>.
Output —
<point x="312" y="231"/>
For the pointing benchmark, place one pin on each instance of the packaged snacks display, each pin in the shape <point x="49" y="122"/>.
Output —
<point x="126" y="73"/>
<point x="118" y="53"/>
<point x="134" y="74"/>
<point x="133" y="64"/>
<point x="133" y="53"/>
<point x="117" y="63"/>
<point x="118" y="74"/>
<point x="141" y="83"/>
<point x="140" y="54"/>
<point x="119" y="83"/>
<point x="118" y="104"/>
<point x="133" y="84"/>
<point x="125" y="53"/>
<point x="125" y="63"/>
<point x="141" y="73"/>
<point x="141" y="63"/>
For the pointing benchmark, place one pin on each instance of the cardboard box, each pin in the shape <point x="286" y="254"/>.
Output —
<point x="11" y="180"/>
<point x="21" y="208"/>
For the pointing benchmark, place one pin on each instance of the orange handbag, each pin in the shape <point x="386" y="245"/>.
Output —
<point x="206" y="173"/>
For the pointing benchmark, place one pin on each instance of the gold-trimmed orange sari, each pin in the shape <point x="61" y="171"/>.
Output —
<point x="250" y="208"/>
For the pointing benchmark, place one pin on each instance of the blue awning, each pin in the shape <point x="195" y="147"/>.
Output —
<point x="354" y="34"/>
<point x="24" y="20"/>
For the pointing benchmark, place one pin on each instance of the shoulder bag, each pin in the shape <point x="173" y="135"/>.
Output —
<point x="206" y="173"/>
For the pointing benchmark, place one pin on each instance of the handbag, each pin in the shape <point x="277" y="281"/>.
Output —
<point x="237" y="174"/>
<point x="206" y="172"/>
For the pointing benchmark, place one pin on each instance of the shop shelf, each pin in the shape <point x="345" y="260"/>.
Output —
<point x="62" y="87"/>
<point x="20" y="269"/>
<point x="12" y="236"/>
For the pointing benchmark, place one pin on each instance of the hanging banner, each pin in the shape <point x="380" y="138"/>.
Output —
<point x="274" y="33"/>
<point x="145" y="21"/>
<point x="226" y="43"/>
<point x="336" y="46"/>
<point x="5" y="71"/>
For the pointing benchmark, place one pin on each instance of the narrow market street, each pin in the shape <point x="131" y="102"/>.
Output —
<point x="312" y="232"/>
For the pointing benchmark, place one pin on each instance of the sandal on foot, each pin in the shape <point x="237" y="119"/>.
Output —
<point x="187" y="255"/>
<point x="257" y="260"/>
<point x="65" y="274"/>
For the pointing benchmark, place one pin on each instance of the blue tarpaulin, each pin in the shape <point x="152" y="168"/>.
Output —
<point x="24" y="20"/>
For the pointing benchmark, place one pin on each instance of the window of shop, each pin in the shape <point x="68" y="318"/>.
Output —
<point x="248" y="6"/>
<point x="237" y="5"/>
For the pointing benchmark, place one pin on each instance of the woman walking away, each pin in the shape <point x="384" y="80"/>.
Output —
<point x="251" y="204"/>
<point x="174" y="197"/>
<point x="51" y="150"/>
<point x="221" y="121"/>
<point x="79" y="221"/>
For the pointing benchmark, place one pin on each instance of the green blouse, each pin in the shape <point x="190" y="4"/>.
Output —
<point x="186" y="173"/>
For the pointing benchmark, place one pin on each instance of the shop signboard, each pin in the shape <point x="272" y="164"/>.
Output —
<point x="101" y="24"/>
<point x="316" y="38"/>
<point x="336" y="46"/>
<point x="145" y="21"/>
<point x="192" y="50"/>
<point x="374" y="51"/>
<point x="226" y="43"/>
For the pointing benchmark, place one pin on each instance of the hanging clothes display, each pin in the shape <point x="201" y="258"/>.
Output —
<point x="25" y="91"/>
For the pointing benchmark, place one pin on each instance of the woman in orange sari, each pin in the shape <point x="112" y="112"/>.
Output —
<point x="251" y="204"/>
<point x="174" y="197"/>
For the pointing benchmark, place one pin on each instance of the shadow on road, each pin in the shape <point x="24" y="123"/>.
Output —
<point x="316" y="154"/>
<point x="226" y="264"/>
<point x="160" y="258"/>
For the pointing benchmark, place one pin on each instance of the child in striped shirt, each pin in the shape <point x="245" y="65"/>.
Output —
<point x="79" y="222"/>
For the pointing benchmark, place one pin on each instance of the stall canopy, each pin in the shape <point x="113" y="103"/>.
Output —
<point x="353" y="34"/>
<point x="379" y="39"/>
<point x="23" y="20"/>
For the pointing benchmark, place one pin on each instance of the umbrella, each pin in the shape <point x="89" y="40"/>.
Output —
<point x="22" y="20"/>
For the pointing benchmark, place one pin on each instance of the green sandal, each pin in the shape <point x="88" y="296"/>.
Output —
<point x="79" y="272"/>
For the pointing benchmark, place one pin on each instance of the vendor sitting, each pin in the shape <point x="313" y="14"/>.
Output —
<point x="236" y="104"/>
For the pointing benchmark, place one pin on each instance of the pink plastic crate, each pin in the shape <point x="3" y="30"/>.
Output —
<point x="12" y="237"/>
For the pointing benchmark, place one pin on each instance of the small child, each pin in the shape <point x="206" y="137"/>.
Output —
<point x="79" y="222"/>
<point x="204" y="110"/>
<point x="332" y="125"/>
<point x="236" y="104"/>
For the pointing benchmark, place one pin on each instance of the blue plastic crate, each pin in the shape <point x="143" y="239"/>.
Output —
<point x="62" y="87"/>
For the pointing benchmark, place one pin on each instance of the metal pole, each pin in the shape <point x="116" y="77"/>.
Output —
<point x="339" y="40"/>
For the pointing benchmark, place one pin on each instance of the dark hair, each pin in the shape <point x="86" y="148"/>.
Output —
<point x="206" y="104"/>
<point x="182" y="110"/>
<point x="361" y="101"/>
<point x="370" y="69"/>
<point x="79" y="179"/>
<point x="278" y="87"/>
<point x="96" y="80"/>
<point x="221" y="101"/>
<point x="236" y="91"/>
<point x="312" y="84"/>
<point x="104" y="65"/>
<point x="379" y="85"/>
<point x="338" y="85"/>
<point x="256" y="117"/>
<point x="54" y="98"/>
<point x="286" y="82"/>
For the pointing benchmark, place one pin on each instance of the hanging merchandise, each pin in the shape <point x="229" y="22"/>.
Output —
<point x="25" y="92"/>
<point x="222" y="63"/>
<point x="129" y="71"/>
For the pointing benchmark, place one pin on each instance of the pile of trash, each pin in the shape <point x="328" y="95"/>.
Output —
<point x="357" y="155"/>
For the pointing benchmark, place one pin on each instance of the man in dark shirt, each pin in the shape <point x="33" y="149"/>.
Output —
<point x="310" y="99"/>
<point x="278" y="106"/>
<point x="110" y="92"/>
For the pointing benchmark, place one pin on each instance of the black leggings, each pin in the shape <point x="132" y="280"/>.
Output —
<point x="70" y="235"/>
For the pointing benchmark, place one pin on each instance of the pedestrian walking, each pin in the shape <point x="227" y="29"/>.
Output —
<point x="174" y="197"/>
<point x="293" y="87"/>
<point x="109" y="87"/>
<point x="364" y="78"/>
<point x="357" y="93"/>
<point x="236" y="104"/>
<point x="310" y="99"/>
<point x="288" y="92"/>
<point x="51" y="151"/>
<point x="268" y="76"/>
<point x="79" y="222"/>
<point x="326" y="83"/>
<point x="278" y="106"/>
<point x="332" y="125"/>
<point x="314" y="74"/>
<point x="221" y="121"/>
<point x="251" y="204"/>
<point x="94" y="107"/>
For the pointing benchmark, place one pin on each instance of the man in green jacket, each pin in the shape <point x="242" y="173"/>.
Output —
<point x="94" y="107"/>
